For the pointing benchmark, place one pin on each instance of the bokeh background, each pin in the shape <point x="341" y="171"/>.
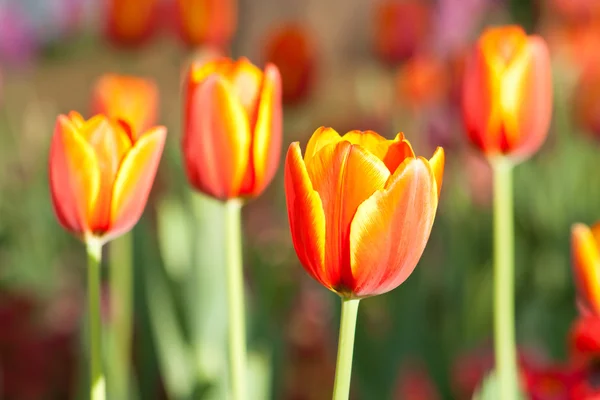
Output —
<point x="385" y="65"/>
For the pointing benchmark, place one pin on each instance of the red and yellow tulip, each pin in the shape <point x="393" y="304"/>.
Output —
<point x="207" y="22"/>
<point x="101" y="173"/>
<point x="130" y="22"/>
<point x="232" y="128"/>
<point x="507" y="93"/>
<point x="127" y="98"/>
<point x="585" y="248"/>
<point x="291" y="50"/>
<point x="360" y="208"/>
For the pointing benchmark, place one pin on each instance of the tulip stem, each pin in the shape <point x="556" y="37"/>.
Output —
<point x="97" y="381"/>
<point x="504" y="280"/>
<point x="235" y="299"/>
<point x="343" y="366"/>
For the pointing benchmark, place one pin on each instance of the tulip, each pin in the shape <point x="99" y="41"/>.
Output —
<point x="401" y="28"/>
<point x="507" y="93"/>
<point x="101" y="174"/>
<point x="585" y="248"/>
<point x="207" y="22"/>
<point x="370" y="242"/>
<point x="127" y="98"/>
<point x="292" y="51"/>
<point x="586" y="104"/>
<point x="233" y="127"/>
<point x="130" y="22"/>
<point x="422" y="81"/>
<point x="361" y="209"/>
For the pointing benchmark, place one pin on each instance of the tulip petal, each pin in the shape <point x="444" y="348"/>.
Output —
<point x="216" y="139"/>
<point x="319" y="139"/>
<point x="333" y="172"/>
<point x="134" y="181"/>
<point x="247" y="80"/>
<point x="396" y="153"/>
<point x="306" y="216"/>
<point x="267" y="138"/>
<point x="586" y="267"/>
<point x="74" y="177"/>
<point x="390" y="229"/>
<point x="437" y="162"/>
<point x="534" y="111"/>
<point x="371" y="141"/>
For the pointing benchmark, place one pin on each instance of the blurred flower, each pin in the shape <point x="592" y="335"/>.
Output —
<point x="38" y="361"/>
<point x="455" y="21"/>
<point x="422" y="81"/>
<point x="585" y="340"/>
<point x="352" y="200"/>
<point x="401" y="28"/>
<point x="414" y="383"/>
<point x="290" y="48"/>
<point x="576" y="11"/>
<point x="586" y="100"/>
<point x="585" y="253"/>
<point x="550" y="382"/>
<point x="131" y="22"/>
<point x="131" y="99"/>
<point x="101" y="173"/>
<point x="207" y="22"/>
<point x="18" y="42"/>
<point x="507" y="93"/>
<point x="575" y="43"/>
<point x="233" y="127"/>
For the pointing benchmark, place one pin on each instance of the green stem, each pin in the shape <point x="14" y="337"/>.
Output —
<point x="343" y="366"/>
<point x="235" y="299"/>
<point x="121" y="300"/>
<point x="504" y="280"/>
<point x="97" y="381"/>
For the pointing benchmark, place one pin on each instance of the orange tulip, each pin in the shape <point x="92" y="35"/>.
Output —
<point x="587" y="100"/>
<point x="290" y="48"/>
<point x="127" y="98"/>
<point x="507" y="93"/>
<point x="361" y="209"/>
<point x="130" y="22"/>
<point x="233" y="123"/>
<point x="101" y="173"/>
<point x="203" y="22"/>
<point x="422" y="81"/>
<point x="585" y="249"/>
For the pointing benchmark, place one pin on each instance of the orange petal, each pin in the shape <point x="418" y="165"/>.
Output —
<point x="320" y="138"/>
<point x="397" y="151"/>
<point x="135" y="180"/>
<point x="390" y="230"/>
<point x="306" y="216"/>
<point x="344" y="175"/>
<point x="267" y="137"/>
<point x="370" y="140"/>
<point x="74" y="177"/>
<point x="216" y="141"/>
<point x="437" y="162"/>
<point x="76" y="119"/>
<point x="533" y="110"/>
<point x="586" y="267"/>
<point x="199" y="71"/>
<point x="247" y="79"/>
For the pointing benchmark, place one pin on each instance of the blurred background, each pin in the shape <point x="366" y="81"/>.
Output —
<point x="385" y="65"/>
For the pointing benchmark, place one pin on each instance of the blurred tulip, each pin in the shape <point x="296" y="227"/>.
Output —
<point x="422" y="81"/>
<point x="101" y="173"/>
<point x="361" y="209"/>
<point x="18" y="42"/>
<point x="207" y="22"/>
<point x="127" y="98"/>
<point x="585" y="339"/>
<point x="401" y="28"/>
<point x="576" y="11"/>
<point x="550" y="382"/>
<point x="233" y="127"/>
<point x="585" y="253"/>
<point x="131" y="22"/>
<point x="586" y="100"/>
<point x="507" y="93"/>
<point x="292" y="51"/>
<point x="415" y="383"/>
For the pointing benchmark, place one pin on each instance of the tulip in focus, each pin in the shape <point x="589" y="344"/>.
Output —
<point x="233" y="127"/>
<point x="126" y="98"/>
<point x="101" y="173"/>
<point x="507" y="93"/>
<point x="401" y="28"/>
<point x="206" y="22"/>
<point x="292" y="51"/>
<point x="130" y="22"/>
<point x="361" y="209"/>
